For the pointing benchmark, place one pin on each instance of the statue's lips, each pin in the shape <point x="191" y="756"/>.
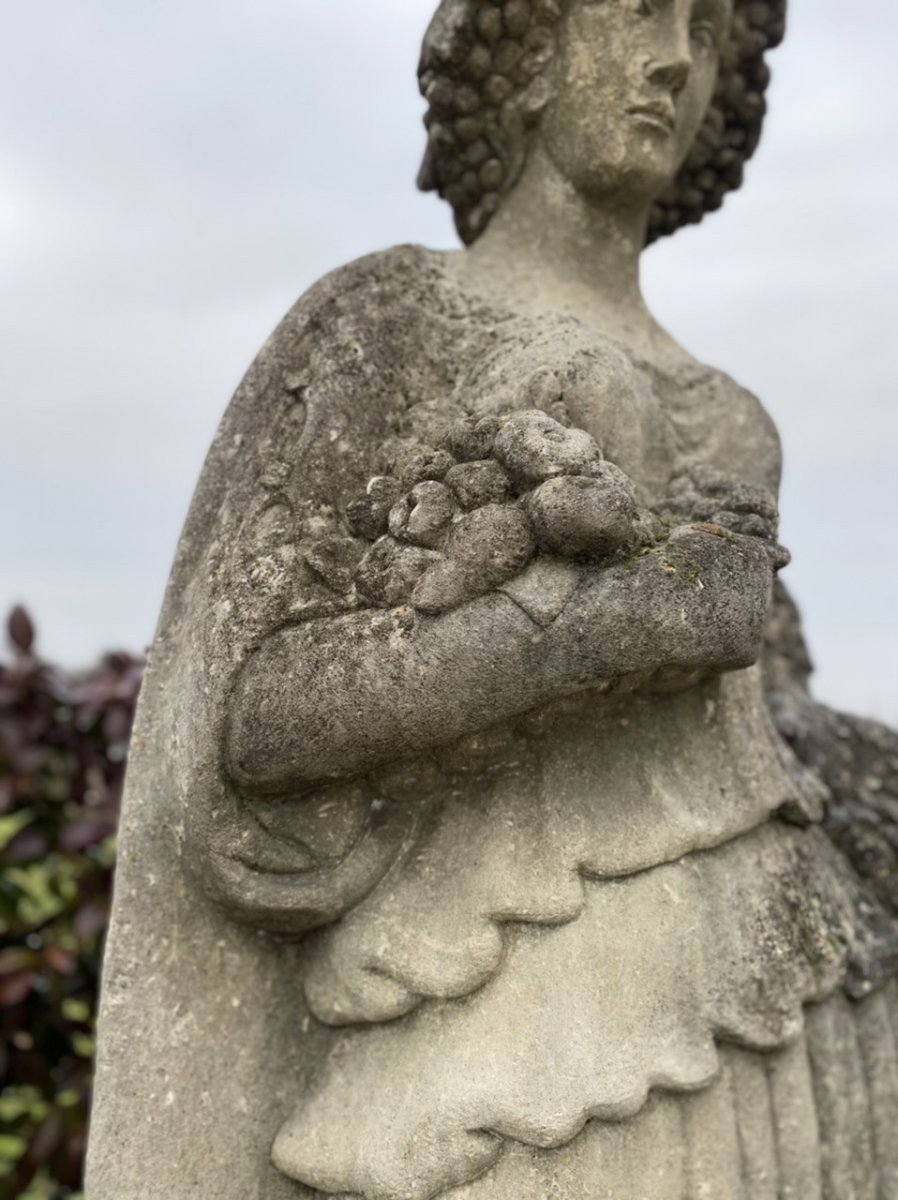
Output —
<point x="658" y="115"/>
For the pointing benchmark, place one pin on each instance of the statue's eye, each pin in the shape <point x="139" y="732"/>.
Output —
<point x="703" y="35"/>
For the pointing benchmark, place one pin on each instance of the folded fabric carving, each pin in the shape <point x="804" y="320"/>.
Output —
<point x="586" y="1020"/>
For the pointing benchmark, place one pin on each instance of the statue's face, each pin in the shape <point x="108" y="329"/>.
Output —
<point x="632" y="83"/>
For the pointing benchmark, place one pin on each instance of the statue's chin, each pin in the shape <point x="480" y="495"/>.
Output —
<point x="634" y="176"/>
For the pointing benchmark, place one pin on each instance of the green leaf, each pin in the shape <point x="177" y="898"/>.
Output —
<point x="75" y="1010"/>
<point x="19" y="1102"/>
<point x="83" y="1045"/>
<point x="13" y="824"/>
<point x="12" y="1148"/>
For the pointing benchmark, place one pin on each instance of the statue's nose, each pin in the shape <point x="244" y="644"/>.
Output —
<point x="671" y="74"/>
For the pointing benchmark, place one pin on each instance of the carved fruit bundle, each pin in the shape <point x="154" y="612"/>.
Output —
<point x="456" y="521"/>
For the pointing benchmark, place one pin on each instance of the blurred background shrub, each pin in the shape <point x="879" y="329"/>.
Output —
<point x="63" y="744"/>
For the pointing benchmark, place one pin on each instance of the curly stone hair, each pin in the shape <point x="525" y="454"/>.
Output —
<point x="479" y="64"/>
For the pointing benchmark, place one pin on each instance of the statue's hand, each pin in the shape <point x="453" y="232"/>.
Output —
<point x="509" y="488"/>
<point x="698" y="602"/>
<point x="706" y="495"/>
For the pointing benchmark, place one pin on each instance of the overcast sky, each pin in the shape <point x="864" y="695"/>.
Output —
<point x="174" y="174"/>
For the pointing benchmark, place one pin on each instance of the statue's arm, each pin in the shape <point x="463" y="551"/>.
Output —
<point x="854" y="759"/>
<point x="333" y="698"/>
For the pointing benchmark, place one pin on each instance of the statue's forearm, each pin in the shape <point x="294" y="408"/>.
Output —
<point x="331" y="699"/>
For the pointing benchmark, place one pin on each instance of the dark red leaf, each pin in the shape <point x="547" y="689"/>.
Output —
<point x="92" y="917"/>
<point x="62" y="746"/>
<point x="118" y="661"/>
<point x="59" y="961"/>
<point x="69" y="1159"/>
<point x="15" y="959"/>
<point x="20" y="629"/>
<point x="29" y="759"/>
<point x="82" y="834"/>
<point x="14" y="988"/>
<point x="98" y="691"/>
<point x="46" y="1138"/>
<point x="26" y="847"/>
<point x="11" y="733"/>
<point x="117" y="724"/>
<point x="30" y="1068"/>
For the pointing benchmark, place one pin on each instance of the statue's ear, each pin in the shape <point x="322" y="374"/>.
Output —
<point x="542" y="66"/>
<point x="522" y="114"/>
<point x="536" y="96"/>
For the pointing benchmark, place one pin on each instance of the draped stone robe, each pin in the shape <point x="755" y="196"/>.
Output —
<point x="606" y="948"/>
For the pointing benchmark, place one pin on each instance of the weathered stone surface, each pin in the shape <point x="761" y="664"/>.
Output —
<point x="533" y="448"/>
<point x="492" y="544"/>
<point x="478" y="483"/>
<point x="387" y="574"/>
<point x="460" y="855"/>
<point x="335" y="560"/>
<point x="584" y="515"/>
<point x="473" y="439"/>
<point x="367" y="516"/>
<point x="424" y="515"/>
<point x="486" y="548"/>
<point x="855" y="762"/>
<point x="418" y="463"/>
<point x="577" y="1021"/>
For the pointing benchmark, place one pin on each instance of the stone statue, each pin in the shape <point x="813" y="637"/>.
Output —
<point x="462" y="855"/>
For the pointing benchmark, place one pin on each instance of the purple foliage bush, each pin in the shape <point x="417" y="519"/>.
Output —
<point x="63" y="744"/>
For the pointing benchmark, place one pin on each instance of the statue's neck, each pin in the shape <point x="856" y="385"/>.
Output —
<point x="551" y="246"/>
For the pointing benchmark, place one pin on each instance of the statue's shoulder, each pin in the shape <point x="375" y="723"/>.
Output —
<point x="358" y="342"/>
<point x="368" y="292"/>
<point x="384" y="271"/>
<point x="368" y="325"/>
<point x="364" y="356"/>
